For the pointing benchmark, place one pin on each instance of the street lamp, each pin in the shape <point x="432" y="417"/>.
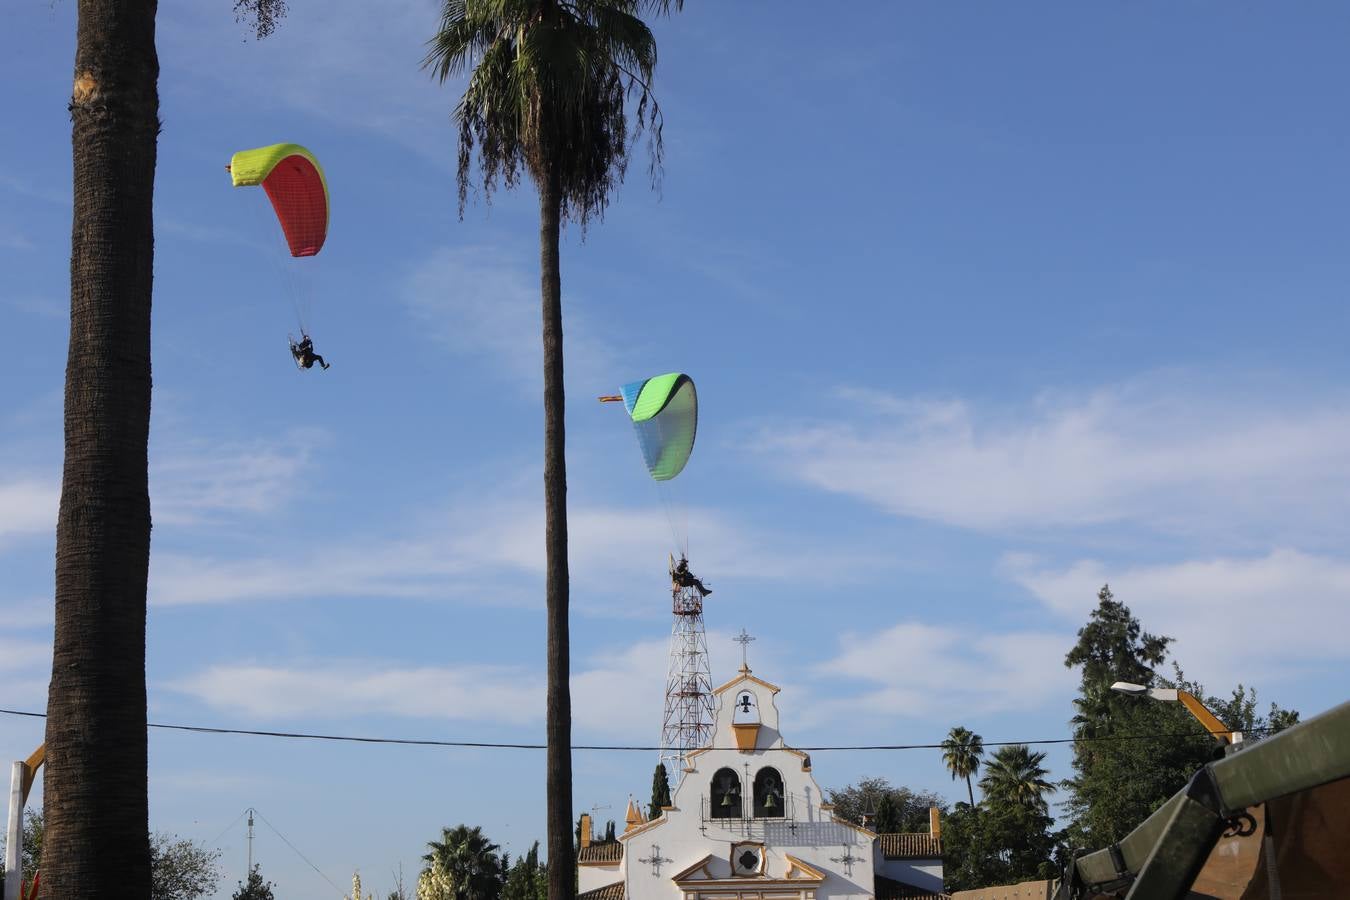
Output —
<point x="1220" y="732"/>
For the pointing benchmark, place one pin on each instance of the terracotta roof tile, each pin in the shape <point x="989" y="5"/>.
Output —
<point x="914" y="845"/>
<point x="604" y="852"/>
<point x="608" y="892"/>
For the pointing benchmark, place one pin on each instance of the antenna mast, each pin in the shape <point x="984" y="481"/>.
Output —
<point x="688" y="720"/>
<point x="250" y="844"/>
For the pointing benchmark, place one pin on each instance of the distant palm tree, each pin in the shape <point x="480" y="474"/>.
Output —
<point x="471" y="861"/>
<point x="1015" y="776"/>
<point x="961" y="753"/>
<point x="547" y="96"/>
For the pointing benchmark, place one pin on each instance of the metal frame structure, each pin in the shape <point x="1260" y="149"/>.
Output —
<point x="687" y="723"/>
<point x="1160" y="859"/>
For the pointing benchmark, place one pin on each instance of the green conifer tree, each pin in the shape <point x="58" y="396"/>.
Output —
<point x="660" y="791"/>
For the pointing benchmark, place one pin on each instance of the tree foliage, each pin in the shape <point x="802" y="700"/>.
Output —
<point x="962" y="753"/>
<point x="548" y="93"/>
<point x="1132" y="753"/>
<point x="180" y="869"/>
<point x="469" y="862"/>
<point x="527" y="879"/>
<point x="910" y="807"/>
<point x="254" y="888"/>
<point x="30" y="859"/>
<point x="1015" y="777"/>
<point x="995" y="843"/>
<point x="1007" y="837"/>
<point x="660" y="791"/>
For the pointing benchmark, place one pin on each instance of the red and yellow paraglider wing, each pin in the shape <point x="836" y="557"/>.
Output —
<point x="295" y="184"/>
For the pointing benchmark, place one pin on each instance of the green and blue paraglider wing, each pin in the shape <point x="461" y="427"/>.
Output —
<point x="664" y="411"/>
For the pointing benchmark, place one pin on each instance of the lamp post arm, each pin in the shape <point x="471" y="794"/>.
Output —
<point x="1220" y="732"/>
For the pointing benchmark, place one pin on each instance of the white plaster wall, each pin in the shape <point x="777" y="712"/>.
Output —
<point x="816" y="839"/>
<point x="924" y="873"/>
<point x="591" y="877"/>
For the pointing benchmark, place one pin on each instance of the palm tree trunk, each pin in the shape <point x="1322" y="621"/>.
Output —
<point x="561" y="874"/>
<point x="970" y="790"/>
<point x="97" y="831"/>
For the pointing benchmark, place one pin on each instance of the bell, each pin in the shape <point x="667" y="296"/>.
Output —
<point x="726" y="799"/>
<point x="768" y="802"/>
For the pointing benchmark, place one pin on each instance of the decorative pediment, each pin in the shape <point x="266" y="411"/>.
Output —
<point x="800" y="871"/>
<point x="697" y="872"/>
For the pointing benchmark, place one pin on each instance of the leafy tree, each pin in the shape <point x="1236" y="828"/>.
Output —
<point x="1238" y="711"/>
<point x="30" y="859"/>
<point x="911" y="807"/>
<point x="527" y="879"/>
<point x="1132" y="753"/>
<point x="660" y="791"/>
<point x="961" y="754"/>
<point x="181" y="869"/>
<point x="469" y="860"/>
<point x="995" y="843"/>
<point x="1006" y="838"/>
<point x="1015" y="777"/>
<point x="888" y="816"/>
<point x="95" y="783"/>
<point x="548" y="96"/>
<point x="254" y="888"/>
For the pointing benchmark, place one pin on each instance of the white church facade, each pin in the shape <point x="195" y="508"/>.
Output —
<point x="749" y="822"/>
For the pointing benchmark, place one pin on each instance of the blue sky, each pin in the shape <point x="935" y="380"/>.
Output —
<point x="986" y="306"/>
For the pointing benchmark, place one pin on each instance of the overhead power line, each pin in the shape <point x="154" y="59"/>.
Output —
<point x="497" y="745"/>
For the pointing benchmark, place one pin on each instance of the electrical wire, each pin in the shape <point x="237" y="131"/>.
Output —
<point x="216" y="839"/>
<point x="494" y="745"/>
<point x="299" y="854"/>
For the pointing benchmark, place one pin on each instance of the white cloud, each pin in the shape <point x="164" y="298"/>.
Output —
<point x="28" y="506"/>
<point x="612" y="682"/>
<point x="607" y="546"/>
<point x="920" y="669"/>
<point x="1234" y="619"/>
<point x="356" y="688"/>
<point x="479" y="302"/>
<point x="195" y="481"/>
<point x="191" y="482"/>
<point x="628" y="678"/>
<point x="1156" y="452"/>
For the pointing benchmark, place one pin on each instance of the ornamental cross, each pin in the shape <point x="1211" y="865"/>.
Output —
<point x="655" y="859"/>
<point x="848" y="859"/>
<point x="744" y="640"/>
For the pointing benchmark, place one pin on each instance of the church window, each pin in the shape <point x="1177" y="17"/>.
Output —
<point x="768" y="794"/>
<point x="726" y="795"/>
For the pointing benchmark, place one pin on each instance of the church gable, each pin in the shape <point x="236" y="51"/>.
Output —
<point x="749" y="821"/>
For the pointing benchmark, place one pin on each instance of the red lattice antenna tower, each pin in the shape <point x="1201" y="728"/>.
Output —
<point x="688" y="721"/>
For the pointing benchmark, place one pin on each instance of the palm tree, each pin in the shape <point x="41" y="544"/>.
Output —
<point x="95" y="788"/>
<point x="547" y="96"/>
<point x="1015" y="776"/>
<point x="470" y="859"/>
<point x="95" y="785"/>
<point x="961" y="753"/>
